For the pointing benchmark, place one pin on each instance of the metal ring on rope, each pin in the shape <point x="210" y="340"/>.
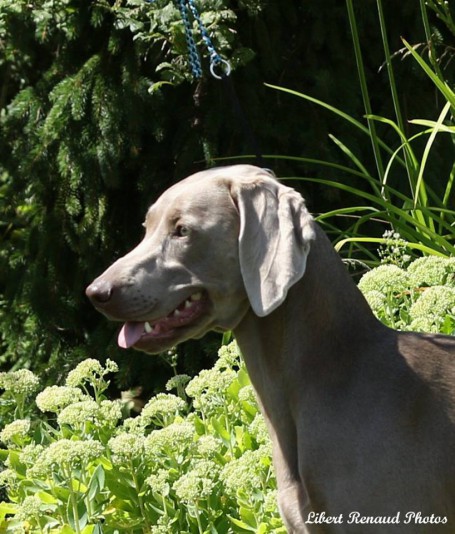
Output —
<point x="225" y="65"/>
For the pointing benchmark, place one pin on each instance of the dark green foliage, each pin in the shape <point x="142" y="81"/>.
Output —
<point x="99" y="114"/>
<point x="87" y="142"/>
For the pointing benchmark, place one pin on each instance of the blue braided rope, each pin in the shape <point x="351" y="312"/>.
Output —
<point x="195" y="61"/>
<point x="215" y="58"/>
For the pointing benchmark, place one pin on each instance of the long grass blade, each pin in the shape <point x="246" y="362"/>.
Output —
<point x="438" y="82"/>
<point x="364" y="88"/>
<point x="410" y="227"/>
<point x="381" y="240"/>
<point x="429" y="38"/>
<point x="363" y="170"/>
<point x="420" y="193"/>
<point x="410" y="163"/>
<point x="357" y="124"/>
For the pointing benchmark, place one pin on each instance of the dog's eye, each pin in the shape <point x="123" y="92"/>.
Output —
<point x="181" y="230"/>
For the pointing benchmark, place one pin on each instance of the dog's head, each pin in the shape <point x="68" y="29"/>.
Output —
<point x="215" y="244"/>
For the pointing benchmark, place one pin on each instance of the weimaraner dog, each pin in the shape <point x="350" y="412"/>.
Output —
<point x="362" y="418"/>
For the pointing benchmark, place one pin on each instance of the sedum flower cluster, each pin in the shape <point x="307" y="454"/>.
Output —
<point x="197" y="460"/>
<point x="54" y="398"/>
<point x="18" y="387"/>
<point x="22" y="382"/>
<point x="14" y="431"/>
<point x="104" y="413"/>
<point x="162" y="409"/>
<point x="90" y="371"/>
<point x="419" y="298"/>
<point x="63" y="456"/>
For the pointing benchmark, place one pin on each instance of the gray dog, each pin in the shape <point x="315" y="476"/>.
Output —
<point x="362" y="418"/>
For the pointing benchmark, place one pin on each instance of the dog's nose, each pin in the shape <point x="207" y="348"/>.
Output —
<point x="99" y="292"/>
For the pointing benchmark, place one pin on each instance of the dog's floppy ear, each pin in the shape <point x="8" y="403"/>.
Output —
<point x="274" y="241"/>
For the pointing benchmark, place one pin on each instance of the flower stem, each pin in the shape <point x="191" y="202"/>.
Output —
<point x="139" y="498"/>
<point x="198" y="519"/>
<point x="73" y="503"/>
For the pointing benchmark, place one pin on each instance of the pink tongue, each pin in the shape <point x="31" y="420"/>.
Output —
<point x="129" y="334"/>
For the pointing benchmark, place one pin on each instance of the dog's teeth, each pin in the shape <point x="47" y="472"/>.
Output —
<point x="196" y="296"/>
<point x="188" y="304"/>
<point x="177" y="313"/>
<point x="148" y="328"/>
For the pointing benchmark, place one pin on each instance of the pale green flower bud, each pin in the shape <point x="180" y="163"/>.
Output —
<point x="270" y="501"/>
<point x="159" y="482"/>
<point x="164" y="525"/>
<point x="432" y="271"/>
<point x="171" y="440"/>
<point x="88" y="371"/>
<point x="228" y="356"/>
<point x="387" y="279"/>
<point x="247" y="394"/>
<point x="126" y="447"/>
<point x="55" y="398"/>
<point x="207" y="446"/>
<point x="8" y="477"/>
<point x="111" y="366"/>
<point x="376" y="300"/>
<point x="108" y="413"/>
<point x="258" y="429"/>
<point x="30" y="453"/>
<point x="432" y="307"/>
<point x="247" y="472"/>
<point x="16" y="430"/>
<point x="198" y="483"/>
<point x="30" y="508"/>
<point x="177" y="381"/>
<point x="78" y="413"/>
<point x="68" y="453"/>
<point x="161" y="407"/>
<point x="22" y="382"/>
<point x="207" y="389"/>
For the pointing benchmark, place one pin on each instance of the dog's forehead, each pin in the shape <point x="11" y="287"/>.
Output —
<point x="197" y="197"/>
<point x="205" y="190"/>
<point x="190" y="193"/>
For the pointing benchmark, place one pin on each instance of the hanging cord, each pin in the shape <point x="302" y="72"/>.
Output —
<point x="220" y="69"/>
<point x="195" y="61"/>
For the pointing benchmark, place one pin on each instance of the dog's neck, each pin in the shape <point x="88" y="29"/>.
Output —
<point x="309" y="345"/>
<point x="334" y="306"/>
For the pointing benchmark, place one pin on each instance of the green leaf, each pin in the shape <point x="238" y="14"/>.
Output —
<point x="61" y="493"/>
<point x="45" y="497"/>
<point x="199" y="425"/>
<point x="243" y="378"/>
<point x="119" y="486"/>
<point x="96" y="484"/>
<point x="16" y="464"/>
<point x="81" y="518"/>
<point x="241" y="524"/>
<point x="219" y="426"/>
<point x="7" y="508"/>
<point x="248" y="516"/>
<point x="248" y="408"/>
<point x="243" y="438"/>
